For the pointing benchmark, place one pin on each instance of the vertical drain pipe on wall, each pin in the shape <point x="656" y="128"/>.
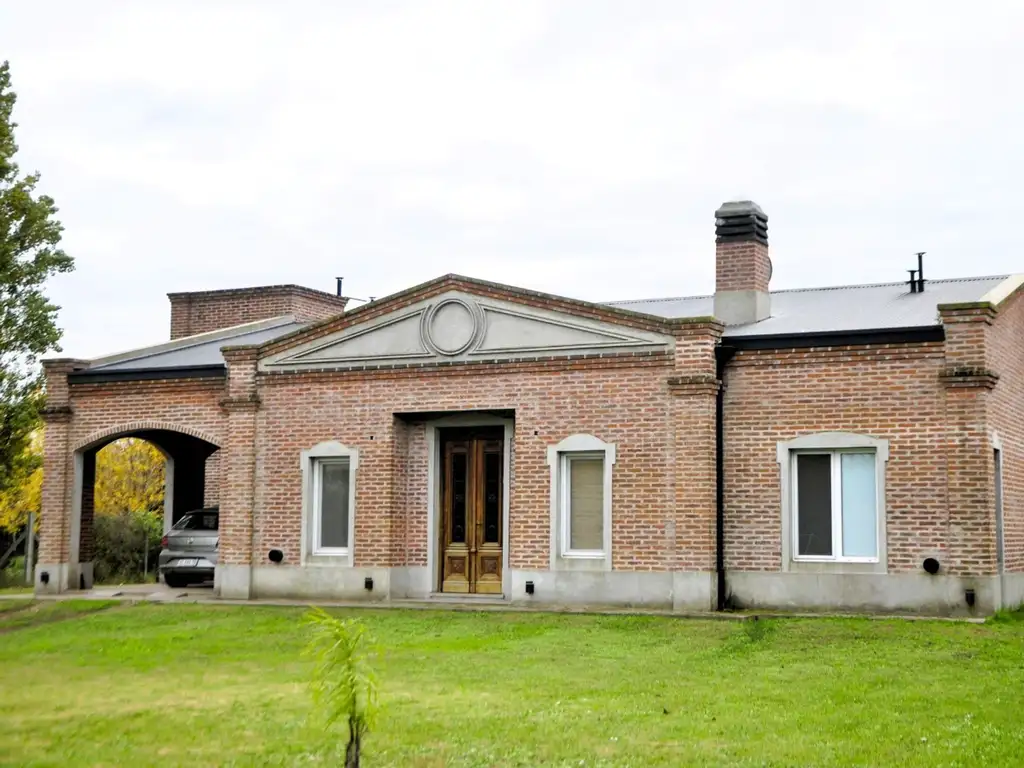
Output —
<point x="723" y="355"/>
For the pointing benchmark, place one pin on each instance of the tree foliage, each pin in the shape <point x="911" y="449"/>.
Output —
<point x="29" y="255"/>
<point x="24" y="492"/>
<point x="129" y="482"/>
<point x="343" y="683"/>
<point x="129" y="478"/>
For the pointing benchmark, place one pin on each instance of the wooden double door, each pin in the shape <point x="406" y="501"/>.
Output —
<point x="472" y="500"/>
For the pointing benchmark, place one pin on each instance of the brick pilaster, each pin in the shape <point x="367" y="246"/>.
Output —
<point x="58" y="479"/>
<point x="968" y="383"/>
<point x="238" y="472"/>
<point x="694" y="386"/>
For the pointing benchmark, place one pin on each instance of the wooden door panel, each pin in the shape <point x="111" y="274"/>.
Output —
<point x="487" y="560"/>
<point x="472" y="503"/>
<point x="456" y="571"/>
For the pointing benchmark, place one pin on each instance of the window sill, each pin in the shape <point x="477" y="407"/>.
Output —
<point x="332" y="559"/>
<point x="587" y="555"/>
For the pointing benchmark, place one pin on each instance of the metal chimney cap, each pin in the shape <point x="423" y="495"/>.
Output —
<point x="740" y="208"/>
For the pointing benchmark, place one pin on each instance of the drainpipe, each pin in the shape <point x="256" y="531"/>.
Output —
<point x="723" y="355"/>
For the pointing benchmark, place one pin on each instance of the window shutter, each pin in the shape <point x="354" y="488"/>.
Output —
<point x="586" y="503"/>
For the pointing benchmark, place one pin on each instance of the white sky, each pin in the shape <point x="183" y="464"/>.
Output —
<point x="576" y="147"/>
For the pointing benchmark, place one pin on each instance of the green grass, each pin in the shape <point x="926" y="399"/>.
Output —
<point x="222" y="685"/>
<point x="18" y="614"/>
<point x="15" y="590"/>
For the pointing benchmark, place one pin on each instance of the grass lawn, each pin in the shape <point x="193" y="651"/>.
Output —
<point x="15" y="590"/>
<point x="91" y="684"/>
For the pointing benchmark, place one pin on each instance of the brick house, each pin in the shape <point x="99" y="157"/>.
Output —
<point x="848" y="448"/>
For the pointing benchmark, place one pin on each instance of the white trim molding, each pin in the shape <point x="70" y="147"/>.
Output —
<point x="559" y="456"/>
<point x="830" y="442"/>
<point x="310" y="459"/>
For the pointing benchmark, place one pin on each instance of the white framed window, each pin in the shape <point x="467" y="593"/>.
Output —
<point x="581" y="500"/>
<point x="833" y="498"/>
<point x="329" y="493"/>
<point x="836" y="503"/>
<point x="330" y="502"/>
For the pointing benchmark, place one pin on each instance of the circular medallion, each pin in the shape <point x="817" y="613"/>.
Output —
<point x="451" y="326"/>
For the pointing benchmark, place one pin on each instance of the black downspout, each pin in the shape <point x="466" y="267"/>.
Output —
<point x="723" y="355"/>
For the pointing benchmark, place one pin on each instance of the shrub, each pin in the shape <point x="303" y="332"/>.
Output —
<point x="122" y="541"/>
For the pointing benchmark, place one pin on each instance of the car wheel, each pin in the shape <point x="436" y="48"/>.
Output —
<point x="175" y="582"/>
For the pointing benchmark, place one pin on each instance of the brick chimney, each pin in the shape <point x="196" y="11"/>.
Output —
<point x="203" y="311"/>
<point x="742" y="265"/>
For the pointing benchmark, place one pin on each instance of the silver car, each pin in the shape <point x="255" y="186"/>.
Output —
<point x="189" y="552"/>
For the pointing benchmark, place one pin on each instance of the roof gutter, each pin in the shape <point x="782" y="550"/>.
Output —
<point x="916" y="335"/>
<point x="102" y="376"/>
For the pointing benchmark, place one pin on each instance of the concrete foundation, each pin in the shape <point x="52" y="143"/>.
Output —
<point x="1011" y="590"/>
<point x="321" y="582"/>
<point x="63" y="577"/>
<point x="233" y="582"/>
<point x="573" y="589"/>
<point x="675" y="591"/>
<point x="341" y="583"/>
<point x="878" y="593"/>
<point x="59" y="578"/>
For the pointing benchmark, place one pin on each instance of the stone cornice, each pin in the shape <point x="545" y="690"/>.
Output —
<point x="56" y="414"/>
<point x="967" y="312"/>
<point x="249" y="403"/>
<point x="961" y="376"/>
<point x="699" y="384"/>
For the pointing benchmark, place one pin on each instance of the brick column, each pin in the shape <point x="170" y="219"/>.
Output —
<point x="400" y="496"/>
<point x="233" y="578"/>
<point x="55" y="571"/>
<point x="694" y="386"/>
<point x="87" y="515"/>
<point x="971" y="533"/>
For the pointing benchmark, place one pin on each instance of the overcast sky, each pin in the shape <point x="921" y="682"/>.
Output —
<point x="575" y="147"/>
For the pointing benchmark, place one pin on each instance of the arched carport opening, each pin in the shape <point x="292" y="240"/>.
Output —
<point x="191" y="481"/>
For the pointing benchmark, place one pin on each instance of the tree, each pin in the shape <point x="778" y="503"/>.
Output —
<point x="344" y="686"/>
<point x="128" y="499"/>
<point x="29" y="255"/>
<point x="129" y="478"/>
<point x="24" y="492"/>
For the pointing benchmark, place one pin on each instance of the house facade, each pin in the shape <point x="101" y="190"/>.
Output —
<point x="843" y="449"/>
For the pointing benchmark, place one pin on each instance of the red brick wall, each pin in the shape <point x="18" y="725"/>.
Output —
<point x="102" y="411"/>
<point x="742" y="266"/>
<point x="187" y="405"/>
<point x="211" y="497"/>
<point x="891" y="392"/>
<point x="1005" y="354"/>
<point x="624" y="402"/>
<point x="199" y="312"/>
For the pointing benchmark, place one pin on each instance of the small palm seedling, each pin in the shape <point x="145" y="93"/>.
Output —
<point x="343" y="685"/>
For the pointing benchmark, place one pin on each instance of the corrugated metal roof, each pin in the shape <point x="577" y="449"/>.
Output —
<point x="843" y="308"/>
<point x="194" y="355"/>
<point x="805" y="310"/>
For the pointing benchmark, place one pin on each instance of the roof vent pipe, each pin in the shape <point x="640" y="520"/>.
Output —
<point x="917" y="275"/>
<point x="339" y="279"/>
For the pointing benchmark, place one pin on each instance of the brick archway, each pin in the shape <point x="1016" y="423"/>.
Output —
<point x="110" y="434"/>
<point x="186" y="451"/>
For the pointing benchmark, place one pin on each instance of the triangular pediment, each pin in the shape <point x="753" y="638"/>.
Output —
<point x="458" y="326"/>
